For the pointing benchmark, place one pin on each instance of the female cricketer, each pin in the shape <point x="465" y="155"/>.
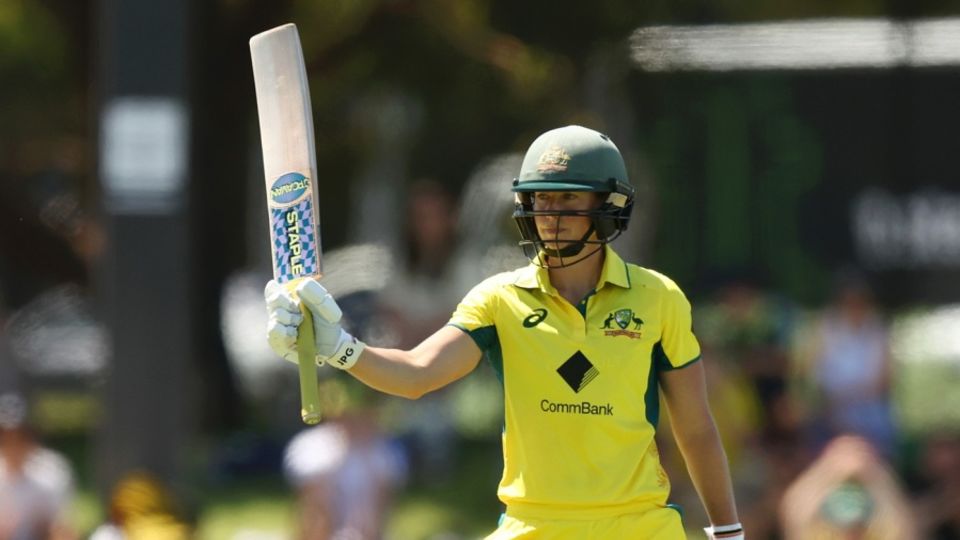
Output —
<point x="583" y="344"/>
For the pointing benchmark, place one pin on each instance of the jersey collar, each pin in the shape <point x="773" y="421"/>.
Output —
<point x="614" y="272"/>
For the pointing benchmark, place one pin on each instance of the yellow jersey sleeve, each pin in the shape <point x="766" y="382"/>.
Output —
<point x="475" y="310"/>
<point x="679" y="344"/>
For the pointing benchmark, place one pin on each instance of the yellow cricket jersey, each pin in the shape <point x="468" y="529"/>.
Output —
<point x="580" y="385"/>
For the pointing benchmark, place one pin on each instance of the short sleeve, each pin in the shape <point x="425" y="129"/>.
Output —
<point x="475" y="311"/>
<point x="679" y="344"/>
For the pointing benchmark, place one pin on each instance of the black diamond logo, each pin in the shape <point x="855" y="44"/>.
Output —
<point x="577" y="371"/>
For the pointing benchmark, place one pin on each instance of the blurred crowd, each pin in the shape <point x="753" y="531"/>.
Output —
<point x="805" y="403"/>
<point x="804" y="399"/>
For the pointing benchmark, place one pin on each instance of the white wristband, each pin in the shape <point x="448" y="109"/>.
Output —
<point x="725" y="532"/>
<point x="348" y="351"/>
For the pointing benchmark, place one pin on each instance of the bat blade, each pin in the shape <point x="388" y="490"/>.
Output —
<point x="290" y="171"/>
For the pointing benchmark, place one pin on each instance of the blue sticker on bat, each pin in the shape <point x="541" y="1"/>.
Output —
<point x="289" y="188"/>
<point x="295" y="249"/>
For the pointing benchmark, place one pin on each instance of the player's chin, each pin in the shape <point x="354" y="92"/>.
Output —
<point x="557" y="245"/>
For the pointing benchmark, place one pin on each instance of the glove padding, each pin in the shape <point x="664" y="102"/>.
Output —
<point x="334" y="345"/>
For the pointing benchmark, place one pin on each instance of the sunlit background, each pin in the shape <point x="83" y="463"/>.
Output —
<point x="796" y="171"/>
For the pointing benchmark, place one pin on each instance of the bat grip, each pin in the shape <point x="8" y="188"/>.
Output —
<point x="306" y="362"/>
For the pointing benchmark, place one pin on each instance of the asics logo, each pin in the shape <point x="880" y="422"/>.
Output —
<point x="535" y="318"/>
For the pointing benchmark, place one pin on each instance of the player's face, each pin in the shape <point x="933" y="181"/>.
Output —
<point x="563" y="230"/>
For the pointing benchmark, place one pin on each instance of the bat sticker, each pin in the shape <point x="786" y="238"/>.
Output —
<point x="294" y="241"/>
<point x="289" y="189"/>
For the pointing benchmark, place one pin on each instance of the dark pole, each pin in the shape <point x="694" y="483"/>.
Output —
<point x="144" y="164"/>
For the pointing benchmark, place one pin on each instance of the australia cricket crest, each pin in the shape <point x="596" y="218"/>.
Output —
<point x="624" y="319"/>
<point x="555" y="159"/>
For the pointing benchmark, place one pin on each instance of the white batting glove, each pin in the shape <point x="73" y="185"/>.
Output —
<point x="283" y="318"/>
<point x="334" y="345"/>
<point x="725" y="532"/>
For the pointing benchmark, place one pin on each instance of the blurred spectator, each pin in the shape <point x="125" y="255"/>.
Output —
<point x="850" y="368"/>
<point x="417" y="299"/>
<point x="36" y="483"/>
<point x="419" y="296"/>
<point x="345" y="471"/>
<point x="142" y="509"/>
<point x="848" y="493"/>
<point x="938" y="502"/>
<point x="748" y="330"/>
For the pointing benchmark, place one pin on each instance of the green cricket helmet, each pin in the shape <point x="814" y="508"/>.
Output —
<point x="572" y="158"/>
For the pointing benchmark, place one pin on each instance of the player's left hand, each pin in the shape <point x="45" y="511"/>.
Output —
<point x="283" y="318"/>
<point x="333" y="344"/>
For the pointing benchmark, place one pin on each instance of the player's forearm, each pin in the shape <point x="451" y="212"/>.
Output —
<point x="409" y="374"/>
<point x="392" y="371"/>
<point x="709" y="470"/>
<point x="685" y="393"/>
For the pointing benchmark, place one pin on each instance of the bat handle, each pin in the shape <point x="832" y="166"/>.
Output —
<point x="306" y="362"/>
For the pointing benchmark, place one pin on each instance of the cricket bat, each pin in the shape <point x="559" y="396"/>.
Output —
<point x="290" y="169"/>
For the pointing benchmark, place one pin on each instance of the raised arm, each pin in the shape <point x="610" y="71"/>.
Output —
<point x="442" y="358"/>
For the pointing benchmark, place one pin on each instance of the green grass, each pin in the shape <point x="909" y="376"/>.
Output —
<point x="86" y="512"/>
<point x="270" y="513"/>
<point x="269" y="516"/>
<point x="264" y="508"/>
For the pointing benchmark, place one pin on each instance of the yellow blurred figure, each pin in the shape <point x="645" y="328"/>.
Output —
<point x="142" y="509"/>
